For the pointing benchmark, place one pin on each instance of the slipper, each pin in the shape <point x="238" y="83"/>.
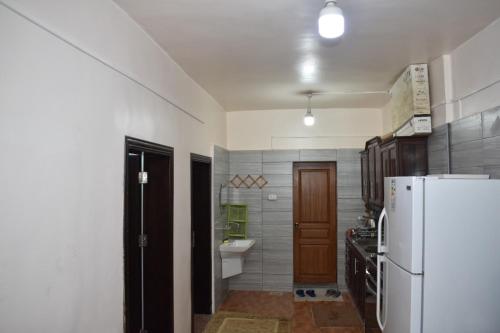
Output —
<point x="311" y="293"/>
<point x="300" y="293"/>
<point x="333" y="293"/>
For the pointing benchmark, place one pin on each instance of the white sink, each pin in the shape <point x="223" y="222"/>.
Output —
<point x="233" y="256"/>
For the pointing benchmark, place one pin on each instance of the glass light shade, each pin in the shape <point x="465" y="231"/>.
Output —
<point x="309" y="119"/>
<point x="331" y="21"/>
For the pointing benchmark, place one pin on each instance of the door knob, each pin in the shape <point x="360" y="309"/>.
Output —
<point x="296" y="225"/>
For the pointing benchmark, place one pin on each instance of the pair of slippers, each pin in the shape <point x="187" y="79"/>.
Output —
<point x="312" y="293"/>
<point x="309" y="292"/>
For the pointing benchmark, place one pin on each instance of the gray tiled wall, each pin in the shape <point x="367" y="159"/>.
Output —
<point x="221" y="176"/>
<point x="473" y="146"/>
<point x="269" y="265"/>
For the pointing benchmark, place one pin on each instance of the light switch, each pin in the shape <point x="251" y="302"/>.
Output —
<point x="272" y="197"/>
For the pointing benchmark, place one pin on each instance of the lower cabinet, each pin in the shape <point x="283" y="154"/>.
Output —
<point x="356" y="276"/>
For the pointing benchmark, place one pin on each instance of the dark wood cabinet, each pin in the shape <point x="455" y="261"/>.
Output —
<point x="355" y="276"/>
<point x="365" y="191"/>
<point x="400" y="156"/>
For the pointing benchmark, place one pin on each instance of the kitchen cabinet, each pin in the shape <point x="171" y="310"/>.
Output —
<point x="361" y="278"/>
<point x="400" y="156"/>
<point x="355" y="276"/>
<point x="365" y="191"/>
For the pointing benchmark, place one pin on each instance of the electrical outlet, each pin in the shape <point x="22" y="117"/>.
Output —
<point x="272" y="197"/>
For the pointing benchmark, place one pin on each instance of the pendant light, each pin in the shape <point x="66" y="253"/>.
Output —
<point x="331" y="20"/>
<point x="308" y="117"/>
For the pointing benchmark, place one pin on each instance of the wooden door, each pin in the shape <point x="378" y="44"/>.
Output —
<point x="315" y="222"/>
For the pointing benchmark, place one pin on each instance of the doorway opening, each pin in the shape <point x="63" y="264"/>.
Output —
<point x="315" y="222"/>
<point x="201" y="236"/>
<point x="148" y="237"/>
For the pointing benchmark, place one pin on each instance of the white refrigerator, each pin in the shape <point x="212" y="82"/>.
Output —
<point x="439" y="255"/>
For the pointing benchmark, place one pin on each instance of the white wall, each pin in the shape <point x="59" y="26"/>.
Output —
<point x="284" y="129"/>
<point x="63" y="119"/>
<point x="466" y="81"/>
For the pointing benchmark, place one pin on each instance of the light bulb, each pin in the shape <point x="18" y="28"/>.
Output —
<point x="309" y="119"/>
<point x="331" y="21"/>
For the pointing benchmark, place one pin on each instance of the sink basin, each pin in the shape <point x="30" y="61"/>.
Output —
<point x="236" y="247"/>
<point x="233" y="256"/>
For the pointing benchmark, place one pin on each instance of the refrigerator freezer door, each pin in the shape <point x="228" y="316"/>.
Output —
<point x="402" y="293"/>
<point x="403" y="230"/>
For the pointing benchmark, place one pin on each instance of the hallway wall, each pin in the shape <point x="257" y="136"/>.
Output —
<point x="68" y="98"/>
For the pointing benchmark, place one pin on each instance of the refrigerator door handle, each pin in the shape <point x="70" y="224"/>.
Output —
<point x="380" y="260"/>
<point x="382" y="248"/>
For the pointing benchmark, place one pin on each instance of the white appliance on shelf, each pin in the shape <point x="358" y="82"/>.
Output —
<point x="438" y="268"/>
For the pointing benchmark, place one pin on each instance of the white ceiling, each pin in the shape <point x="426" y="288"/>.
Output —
<point x="252" y="54"/>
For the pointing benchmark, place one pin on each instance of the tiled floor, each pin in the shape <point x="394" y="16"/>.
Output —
<point x="282" y="305"/>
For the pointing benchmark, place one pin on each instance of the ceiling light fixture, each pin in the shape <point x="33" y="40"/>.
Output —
<point x="308" y="117"/>
<point x="331" y="20"/>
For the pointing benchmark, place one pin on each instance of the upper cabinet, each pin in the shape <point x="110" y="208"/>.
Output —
<point x="400" y="156"/>
<point x="365" y="192"/>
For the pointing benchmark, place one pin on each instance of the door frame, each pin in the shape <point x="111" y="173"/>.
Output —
<point x="195" y="158"/>
<point x="155" y="148"/>
<point x="295" y="207"/>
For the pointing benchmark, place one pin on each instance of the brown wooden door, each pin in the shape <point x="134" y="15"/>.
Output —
<point x="315" y="222"/>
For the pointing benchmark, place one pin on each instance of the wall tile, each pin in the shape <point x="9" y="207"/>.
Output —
<point x="277" y="230"/>
<point x="277" y="218"/>
<point x="281" y="192"/>
<point x="469" y="170"/>
<point x="491" y="151"/>
<point x="282" y="204"/>
<point x="467" y="154"/>
<point x="466" y="129"/>
<point x="278" y="180"/>
<point x="253" y="262"/>
<point x="221" y="176"/>
<point x="245" y="156"/>
<point x="491" y="123"/>
<point x="316" y="155"/>
<point x="277" y="244"/>
<point x="251" y="197"/>
<point x="280" y="155"/>
<point x="438" y="141"/>
<point x="254" y="231"/>
<point x="353" y="192"/>
<point x="277" y="262"/>
<point x="246" y="281"/>
<point x="348" y="154"/>
<point x="277" y="282"/>
<point x="245" y="168"/>
<point x="438" y="160"/>
<point x="493" y="171"/>
<point x="277" y="168"/>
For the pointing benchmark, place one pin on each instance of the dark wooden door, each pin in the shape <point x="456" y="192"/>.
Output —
<point x="148" y="237"/>
<point x="201" y="241"/>
<point x="315" y="222"/>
